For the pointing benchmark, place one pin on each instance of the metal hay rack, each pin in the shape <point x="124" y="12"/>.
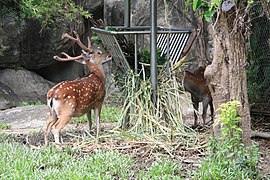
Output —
<point x="170" y="41"/>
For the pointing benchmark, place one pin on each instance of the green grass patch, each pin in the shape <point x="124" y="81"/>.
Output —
<point x="24" y="103"/>
<point x="167" y="169"/>
<point x="21" y="162"/>
<point x="4" y="126"/>
<point x="108" y="114"/>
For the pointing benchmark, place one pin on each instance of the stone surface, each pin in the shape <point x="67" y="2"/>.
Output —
<point x="25" y="117"/>
<point x="28" y="86"/>
<point x="8" y="98"/>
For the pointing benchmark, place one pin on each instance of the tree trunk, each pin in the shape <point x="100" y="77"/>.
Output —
<point x="226" y="75"/>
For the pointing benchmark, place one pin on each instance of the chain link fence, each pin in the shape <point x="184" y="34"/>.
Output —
<point x="259" y="58"/>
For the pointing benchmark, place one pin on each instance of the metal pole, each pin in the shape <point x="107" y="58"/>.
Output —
<point x="127" y="7"/>
<point x="153" y="38"/>
<point x="136" y="53"/>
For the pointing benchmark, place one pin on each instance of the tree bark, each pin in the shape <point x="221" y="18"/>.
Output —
<point x="226" y="76"/>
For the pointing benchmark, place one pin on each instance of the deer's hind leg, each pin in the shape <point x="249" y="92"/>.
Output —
<point x="62" y="121"/>
<point x="50" y="122"/>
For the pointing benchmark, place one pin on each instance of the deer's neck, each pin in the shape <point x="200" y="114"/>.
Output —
<point x="96" y="70"/>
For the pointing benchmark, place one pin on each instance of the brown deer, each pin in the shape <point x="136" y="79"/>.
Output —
<point x="78" y="97"/>
<point x="195" y="84"/>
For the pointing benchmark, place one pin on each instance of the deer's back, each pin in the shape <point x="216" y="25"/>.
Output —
<point x="196" y="86"/>
<point x="79" y="95"/>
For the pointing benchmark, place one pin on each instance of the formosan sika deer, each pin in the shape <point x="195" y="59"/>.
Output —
<point x="78" y="97"/>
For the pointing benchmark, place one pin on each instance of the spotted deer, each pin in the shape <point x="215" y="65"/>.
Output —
<point x="78" y="97"/>
<point x="195" y="84"/>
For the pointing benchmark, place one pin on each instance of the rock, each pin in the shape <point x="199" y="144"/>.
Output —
<point x="114" y="12"/>
<point x="23" y="45"/>
<point x="8" y="98"/>
<point x="25" y="117"/>
<point x="27" y="85"/>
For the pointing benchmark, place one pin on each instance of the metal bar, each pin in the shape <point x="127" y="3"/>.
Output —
<point x="153" y="34"/>
<point x="127" y="13"/>
<point x="138" y="32"/>
<point x="136" y="53"/>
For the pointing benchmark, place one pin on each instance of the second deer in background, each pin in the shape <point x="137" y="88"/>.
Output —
<point x="78" y="97"/>
<point x="195" y="84"/>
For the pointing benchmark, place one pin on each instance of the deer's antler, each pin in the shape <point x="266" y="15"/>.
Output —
<point x="68" y="58"/>
<point x="78" y="41"/>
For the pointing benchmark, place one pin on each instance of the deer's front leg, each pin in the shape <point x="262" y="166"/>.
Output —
<point x="89" y="118"/>
<point x="97" y="118"/>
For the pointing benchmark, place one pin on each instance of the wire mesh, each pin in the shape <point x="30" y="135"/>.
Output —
<point x="259" y="57"/>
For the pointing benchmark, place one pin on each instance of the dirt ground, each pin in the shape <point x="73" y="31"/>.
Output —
<point x="27" y="124"/>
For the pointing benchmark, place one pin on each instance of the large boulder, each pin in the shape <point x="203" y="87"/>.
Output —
<point x="8" y="98"/>
<point x="27" y="85"/>
<point x="23" y="45"/>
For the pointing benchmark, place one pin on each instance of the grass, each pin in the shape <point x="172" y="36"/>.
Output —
<point x="167" y="169"/>
<point x="108" y="114"/>
<point x="24" y="103"/>
<point x="4" y="126"/>
<point x="22" y="162"/>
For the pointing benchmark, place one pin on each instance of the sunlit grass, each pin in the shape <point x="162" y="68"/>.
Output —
<point x="167" y="169"/>
<point x="25" y="103"/>
<point x="22" y="162"/>
<point x="4" y="126"/>
<point x="108" y="114"/>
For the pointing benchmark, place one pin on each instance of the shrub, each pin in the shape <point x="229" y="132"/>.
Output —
<point x="228" y="157"/>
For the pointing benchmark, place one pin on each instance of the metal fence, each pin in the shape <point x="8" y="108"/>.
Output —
<point x="259" y="58"/>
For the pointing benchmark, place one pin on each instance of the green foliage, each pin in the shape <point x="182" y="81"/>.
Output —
<point x="228" y="157"/>
<point x="54" y="12"/>
<point x="51" y="12"/>
<point x="145" y="58"/>
<point x="95" y="39"/>
<point x="20" y="162"/>
<point x="204" y="8"/>
<point x="208" y="8"/>
<point x="4" y="126"/>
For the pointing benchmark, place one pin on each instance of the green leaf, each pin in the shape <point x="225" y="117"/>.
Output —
<point x="215" y="2"/>
<point x="208" y="15"/>
<point x="196" y="4"/>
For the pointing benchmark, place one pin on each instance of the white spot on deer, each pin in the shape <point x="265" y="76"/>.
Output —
<point x="69" y="97"/>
